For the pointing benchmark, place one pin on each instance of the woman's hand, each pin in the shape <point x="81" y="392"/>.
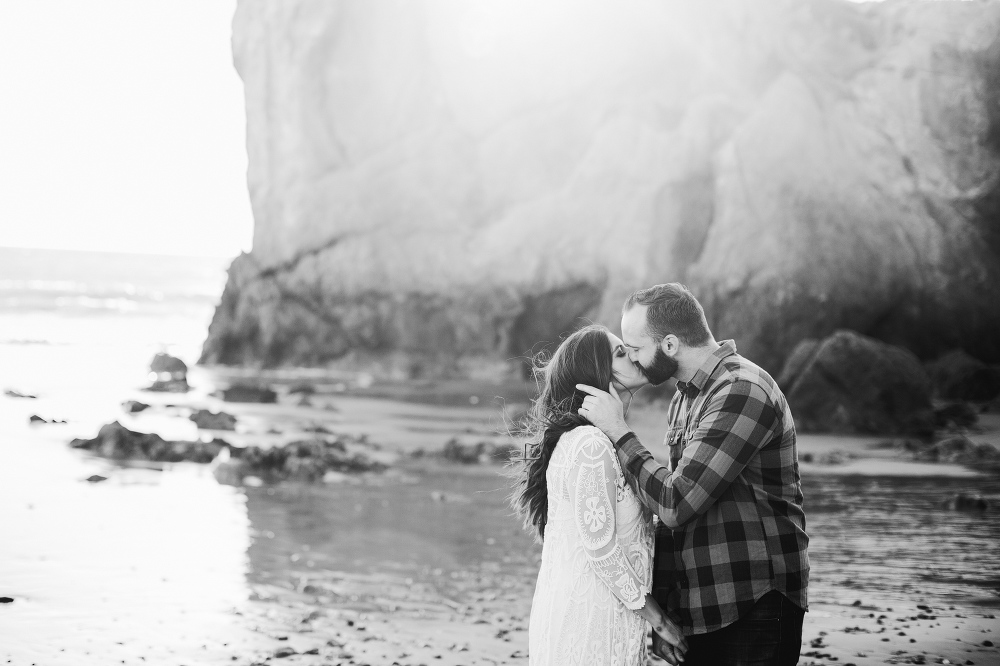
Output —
<point x="671" y="644"/>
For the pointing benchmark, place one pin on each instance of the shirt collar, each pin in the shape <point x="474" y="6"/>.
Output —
<point x="704" y="373"/>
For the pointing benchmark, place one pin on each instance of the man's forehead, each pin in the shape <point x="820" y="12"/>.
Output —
<point x="634" y="326"/>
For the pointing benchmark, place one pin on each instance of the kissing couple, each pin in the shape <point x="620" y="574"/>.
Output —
<point x="709" y="550"/>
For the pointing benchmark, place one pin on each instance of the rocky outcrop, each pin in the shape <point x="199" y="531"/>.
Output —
<point x="306" y="460"/>
<point x="849" y="383"/>
<point x="117" y="442"/>
<point x="440" y="187"/>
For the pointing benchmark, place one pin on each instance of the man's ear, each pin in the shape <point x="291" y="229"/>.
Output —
<point x="670" y="344"/>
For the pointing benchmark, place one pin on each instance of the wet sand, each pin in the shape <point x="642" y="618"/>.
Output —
<point x="424" y="564"/>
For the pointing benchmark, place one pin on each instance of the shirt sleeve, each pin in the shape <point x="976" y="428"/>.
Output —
<point x="594" y="494"/>
<point x="734" y="423"/>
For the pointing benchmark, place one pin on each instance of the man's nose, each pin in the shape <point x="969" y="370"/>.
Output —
<point x="632" y="355"/>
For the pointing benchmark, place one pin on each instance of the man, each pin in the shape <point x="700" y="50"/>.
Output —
<point x="731" y="559"/>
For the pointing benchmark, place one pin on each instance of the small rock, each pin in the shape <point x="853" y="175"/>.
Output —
<point x="35" y="418"/>
<point x="286" y="651"/>
<point x="134" y="406"/>
<point x="6" y="600"/>
<point x="96" y="478"/>
<point x="209" y="420"/>
<point x="11" y="393"/>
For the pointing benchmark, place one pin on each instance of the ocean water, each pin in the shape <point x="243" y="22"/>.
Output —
<point x="69" y="317"/>
<point x="96" y="570"/>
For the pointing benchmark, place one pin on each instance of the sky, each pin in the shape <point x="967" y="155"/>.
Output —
<point x="122" y="127"/>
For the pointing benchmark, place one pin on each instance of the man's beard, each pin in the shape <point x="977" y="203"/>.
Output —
<point x="661" y="369"/>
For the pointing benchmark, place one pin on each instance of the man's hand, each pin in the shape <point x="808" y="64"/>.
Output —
<point x="673" y="655"/>
<point x="604" y="410"/>
<point x="668" y="639"/>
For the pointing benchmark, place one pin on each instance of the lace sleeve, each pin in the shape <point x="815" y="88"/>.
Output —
<point x="594" y="496"/>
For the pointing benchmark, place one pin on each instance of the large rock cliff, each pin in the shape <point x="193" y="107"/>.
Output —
<point x="441" y="185"/>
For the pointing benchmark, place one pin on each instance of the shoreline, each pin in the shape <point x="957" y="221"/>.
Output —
<point x="476" y="610"/>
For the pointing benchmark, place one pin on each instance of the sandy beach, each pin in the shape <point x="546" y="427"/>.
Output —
<point x="423" y="563"/>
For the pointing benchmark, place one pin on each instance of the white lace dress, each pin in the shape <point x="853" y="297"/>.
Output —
<point x="597" y="560"/>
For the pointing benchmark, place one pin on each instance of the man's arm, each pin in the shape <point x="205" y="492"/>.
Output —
<point x="736" y="421"/>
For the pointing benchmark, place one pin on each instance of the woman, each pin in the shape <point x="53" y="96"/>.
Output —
<point x="592" y="600"/>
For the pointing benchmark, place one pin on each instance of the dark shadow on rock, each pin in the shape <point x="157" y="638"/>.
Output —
<point x="958" y="376"/>
<point x="955" y="415"/>
<point x="548" y="317"/>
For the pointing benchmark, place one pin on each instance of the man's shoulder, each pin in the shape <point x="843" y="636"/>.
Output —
<point x="737" y="373"/>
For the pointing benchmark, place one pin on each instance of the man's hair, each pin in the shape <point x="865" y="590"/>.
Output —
<point x="672" y="308"/>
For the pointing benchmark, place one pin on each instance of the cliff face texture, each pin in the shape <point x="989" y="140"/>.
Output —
<point x="441" y="185"/>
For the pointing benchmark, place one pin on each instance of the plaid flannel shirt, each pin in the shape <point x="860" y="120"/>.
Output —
<point x="730" y="503"/>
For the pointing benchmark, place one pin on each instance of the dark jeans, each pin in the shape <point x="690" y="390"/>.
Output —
<point x="769" y="635"/>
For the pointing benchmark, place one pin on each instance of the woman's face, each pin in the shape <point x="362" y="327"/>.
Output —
<point x="626" y="375"/>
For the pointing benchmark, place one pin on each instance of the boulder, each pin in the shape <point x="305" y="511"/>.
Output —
<point x="209" y="420"/>
<point x="958" y="376"/>
<point x="437" y="191"/>
<point x="851" y="383"/>
<point x="168" y="373"/>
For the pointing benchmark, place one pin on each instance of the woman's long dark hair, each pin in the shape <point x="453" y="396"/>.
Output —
<point x="582" y="358"/>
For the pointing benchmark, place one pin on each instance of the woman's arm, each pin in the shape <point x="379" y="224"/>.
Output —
<point x="593" y="493"/>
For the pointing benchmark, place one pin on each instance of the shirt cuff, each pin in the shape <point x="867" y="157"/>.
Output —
<point x="624" y="438"/>
<point x="630" y="450"/>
